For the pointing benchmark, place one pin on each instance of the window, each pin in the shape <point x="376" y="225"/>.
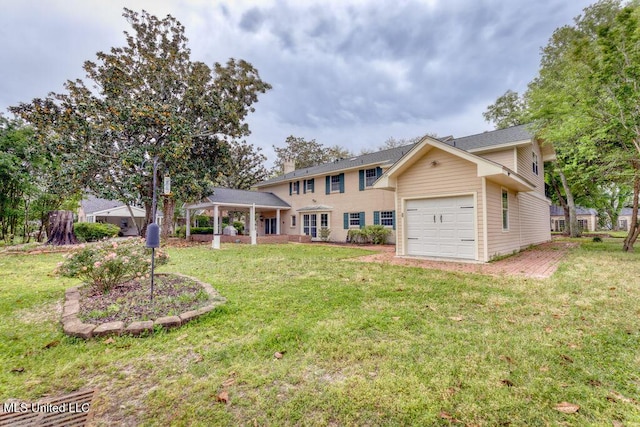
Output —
<point x="324" y="220"/>
<point x="296" y="187"/>
<point x="386" y="218"/>
<point x="583" y="224"/>
<point x="535" y="163"/>
<point x="370" y="176"/>
<point x="335" y="183"/>
<point x="354" y="219"/>
<point x="505" y="210"/>
<point x="308" y="185"/>
<point x="293" y="220"/>
<point x="623" y="225"/>
<point x="560" y="226"/>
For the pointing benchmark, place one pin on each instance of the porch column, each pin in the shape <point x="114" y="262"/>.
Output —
<point x="188" y="223"/>
<point x="277" y="221"/>
<point x="252" y="225"/>
<point x="216" y="215"/>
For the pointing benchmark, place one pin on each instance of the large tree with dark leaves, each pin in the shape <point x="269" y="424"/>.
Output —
<point x="148" y="101"/>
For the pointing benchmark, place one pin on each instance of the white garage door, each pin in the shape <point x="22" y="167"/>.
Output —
<point x="441" y="227"/>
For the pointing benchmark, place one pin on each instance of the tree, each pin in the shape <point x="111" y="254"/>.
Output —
<point x="509" y="110"/>
<point x="147" y="103"/>
<point x="305" y="154"/>
<point x="245" y="166"/>
<point x="392" y="142"/>
<point x="585" y="97"/>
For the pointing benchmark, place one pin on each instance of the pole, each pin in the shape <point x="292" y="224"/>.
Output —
<point x="153" y="262"/>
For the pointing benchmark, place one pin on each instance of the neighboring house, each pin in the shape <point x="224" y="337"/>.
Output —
<point x="94" y="209"/>
<point x="624" y="219"/>
<point x="472" y="198"/>
<point x="587" y="218"/>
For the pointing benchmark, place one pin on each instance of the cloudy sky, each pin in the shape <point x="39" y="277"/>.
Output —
<point x="347" y="72"/>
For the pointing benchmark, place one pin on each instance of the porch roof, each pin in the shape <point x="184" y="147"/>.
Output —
<point x="233" y="199"/>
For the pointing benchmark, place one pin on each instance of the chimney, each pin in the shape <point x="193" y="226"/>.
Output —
<point x="289" y="165"/>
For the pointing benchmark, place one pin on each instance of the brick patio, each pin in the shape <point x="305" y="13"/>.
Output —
<point x="539" y="262"/>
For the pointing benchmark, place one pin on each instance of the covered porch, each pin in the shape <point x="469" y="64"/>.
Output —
<point x="262" y="213"/>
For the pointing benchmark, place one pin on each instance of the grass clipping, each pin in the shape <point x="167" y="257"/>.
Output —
<point x="131" y="301"/>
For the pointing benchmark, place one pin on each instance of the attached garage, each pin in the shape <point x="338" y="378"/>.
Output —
<point x="441" y="227"/>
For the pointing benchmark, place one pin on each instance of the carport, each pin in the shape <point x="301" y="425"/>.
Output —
<point x="227" y="199"/>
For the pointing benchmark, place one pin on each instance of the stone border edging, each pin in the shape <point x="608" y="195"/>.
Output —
<point x="74" y="327"/>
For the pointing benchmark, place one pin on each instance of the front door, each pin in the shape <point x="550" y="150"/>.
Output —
<point x="270" y="225"/>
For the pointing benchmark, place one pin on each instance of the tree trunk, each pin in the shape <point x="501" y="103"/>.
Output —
<point x="168" y="208"/>
<point x="634" y="227"/>
<point x="574" y="230"/>
<point x="61" y="225"/>
<point x="133" y="218"/>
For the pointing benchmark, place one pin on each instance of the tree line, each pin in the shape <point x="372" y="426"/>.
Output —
<point x="584" y="102"/>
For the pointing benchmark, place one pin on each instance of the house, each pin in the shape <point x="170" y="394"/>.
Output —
<point x="624" y="219"/>
<point x="587" y="218"/>
<point x="471" y="198"/>
<point x="94" y="209"/>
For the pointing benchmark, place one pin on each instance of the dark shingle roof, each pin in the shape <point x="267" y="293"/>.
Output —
<point x="392" y="155"/>
<point x="558" y="211"/>
<point x="489" y="139"/>
<point x="95" y="204"/>
<point x="232" y="196"/>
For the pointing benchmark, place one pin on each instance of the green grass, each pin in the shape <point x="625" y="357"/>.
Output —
<point x="363" y="344"/>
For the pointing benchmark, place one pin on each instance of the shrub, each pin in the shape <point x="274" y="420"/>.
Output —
<point x="239" y="225"/>
<point x="325" y="233"/>
<point x="597" y="239"/>
<point x="375" y="234"/>
<point x="94" y="231"/>
<point x="107" y="264"/>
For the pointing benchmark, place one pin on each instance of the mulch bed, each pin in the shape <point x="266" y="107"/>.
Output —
<point x="131" y="301"/>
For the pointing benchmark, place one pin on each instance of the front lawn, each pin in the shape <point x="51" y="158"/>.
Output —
<point x="357" y="343"/>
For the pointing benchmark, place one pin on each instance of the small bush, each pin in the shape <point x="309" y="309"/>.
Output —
<point x="94" y="231"/>
<point x="325" y="233"/>
<point x="107" y="264"/>
<point x="597" y="239"/>
<point x="239" y="225"/>
<point x="181" y="231"/>
<point x="375" y="234"/>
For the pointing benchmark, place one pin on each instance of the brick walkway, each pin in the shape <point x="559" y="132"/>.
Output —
<point x="537" y="262"/>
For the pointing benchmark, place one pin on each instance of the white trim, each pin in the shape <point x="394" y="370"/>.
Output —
<point x="439" y="196"/>
<point x="502" y="190"/>
<point x="485" y="226"/>
<point x="515" y="159"/>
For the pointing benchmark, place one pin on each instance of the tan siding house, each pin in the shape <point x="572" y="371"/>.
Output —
<point x="471" y="198"/>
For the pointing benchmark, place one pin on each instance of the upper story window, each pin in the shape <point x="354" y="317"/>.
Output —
<point x="296" y="187"/>
<point x="335" y="183"/>
<point x="309" y="185"/>
<point x="370" y="176"/>
<point x="534" y="163"/>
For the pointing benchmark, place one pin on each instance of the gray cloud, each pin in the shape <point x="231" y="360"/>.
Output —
<point x="344" y="71"/>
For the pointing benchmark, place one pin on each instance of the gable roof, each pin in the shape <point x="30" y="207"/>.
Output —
<point x="485" y="168"/>
<point x="479" y="142"/>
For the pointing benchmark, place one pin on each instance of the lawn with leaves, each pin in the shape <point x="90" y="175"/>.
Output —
<point x="306" y="339"/>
